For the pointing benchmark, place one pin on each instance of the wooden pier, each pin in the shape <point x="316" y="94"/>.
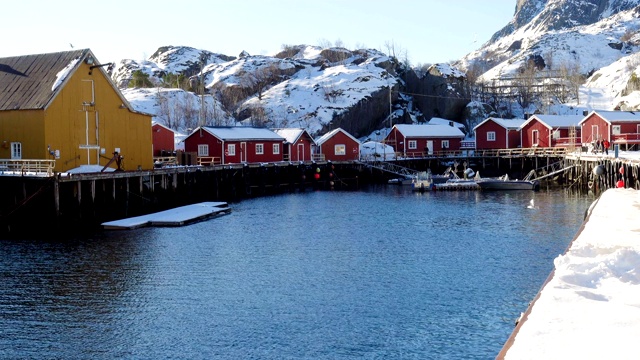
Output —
<point x="66" y="202"/>
<point x="69" y="202"/>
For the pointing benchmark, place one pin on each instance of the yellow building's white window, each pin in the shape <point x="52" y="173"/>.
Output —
<point x="16" y="150"/>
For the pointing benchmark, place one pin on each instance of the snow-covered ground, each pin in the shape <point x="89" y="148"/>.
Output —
<point x="590" y="306"/>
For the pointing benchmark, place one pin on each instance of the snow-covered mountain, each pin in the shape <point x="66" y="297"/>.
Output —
<point x="588" y="37"/>
<point x="591" y="45"/>
<point x="304" y="86"/>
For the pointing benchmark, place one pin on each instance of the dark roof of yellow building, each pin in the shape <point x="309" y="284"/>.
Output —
<point x="32" y="81"/>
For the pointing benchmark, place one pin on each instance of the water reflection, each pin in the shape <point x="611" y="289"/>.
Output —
<point x="382" y="272"/>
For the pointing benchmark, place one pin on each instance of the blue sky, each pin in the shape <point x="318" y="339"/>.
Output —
<point x="427" y="31"/>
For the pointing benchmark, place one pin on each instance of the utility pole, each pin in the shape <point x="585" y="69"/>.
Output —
<point x="390" y="106"/>
<point x="202" y="117"/>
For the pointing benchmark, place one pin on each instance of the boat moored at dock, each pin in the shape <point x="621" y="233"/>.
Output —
<point x="504" y="183"/>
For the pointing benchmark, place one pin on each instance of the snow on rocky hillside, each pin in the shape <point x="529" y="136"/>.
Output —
<point x="307" y="88"/>
<point x="320" y="89"/>
<point x="312" y="96"/>
<point x="603" y="51"/>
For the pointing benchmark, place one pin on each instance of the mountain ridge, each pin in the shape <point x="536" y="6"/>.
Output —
<point x="365" y="90"/>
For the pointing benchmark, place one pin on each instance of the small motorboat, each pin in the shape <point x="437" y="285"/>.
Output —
<point x="422" y="185"/>
<point x="504" y="183"/>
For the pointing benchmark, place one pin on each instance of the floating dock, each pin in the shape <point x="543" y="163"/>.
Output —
<point x="173" y="217"/>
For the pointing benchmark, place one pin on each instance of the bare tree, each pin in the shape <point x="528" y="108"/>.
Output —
<point x="406" y="62"/>
<point x="258" y="116"/>
<point x="261" y="78"/>
<point x="324" y="43"/>
<point x="524" y="83"/>
<point x="189" y="110"/>
<point x="330" y="92"/>
<point x="390" y="46"/>
<point x="165" y="110"/>
<point x="570" y="73"/>
<point x="360" y="46"/>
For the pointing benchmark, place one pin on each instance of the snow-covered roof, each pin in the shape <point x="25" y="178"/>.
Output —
<point x="441" y="121"/>
<point x="242" y="133"/>
<point x="291" y="134"/>
<point x="618" y="116"/>
<point x="322" y="139"/>
<point x="556" y="121"/>
<point x="154" y="123"/>
<point x="513" y="124"/>
<point x="429" y="130"/>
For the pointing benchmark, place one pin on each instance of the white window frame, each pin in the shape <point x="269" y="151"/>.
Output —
<point x="203" y="149"/>
<point x="231" y="149"/>
<point x="340" y="149"/>
<point x="413" y="144"/>
<point x="491" y="136"/>
<point x="260" y="149"/>
<point x="276" y="148"/>
<point x="535" y="137"/>
<point x="444" y="144"/>
<point x="16" y="151"/>
<point x="616" y="129"/>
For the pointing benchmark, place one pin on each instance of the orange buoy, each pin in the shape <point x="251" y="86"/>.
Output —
<point x="620" y="184"/>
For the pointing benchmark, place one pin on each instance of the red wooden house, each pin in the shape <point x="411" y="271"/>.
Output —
<point x="551" y="131"/>
<point x="226" y="145"/>
<point x="163" y="140"/>
<point x="618" y="127"/>
<point x="299" y="145"/>
<point x="338" y="145"/>
<point x="498" y="133"/>
<point x="420" y="140"/>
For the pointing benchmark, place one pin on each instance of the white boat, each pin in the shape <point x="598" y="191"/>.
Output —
<point x="504" y="183"/>
<point x="424" y="175"/>
<point x="408" y="180"/>
<point x="422" y="185"/>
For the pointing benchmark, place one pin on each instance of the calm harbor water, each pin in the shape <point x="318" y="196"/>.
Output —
<point x="377" y="273"/>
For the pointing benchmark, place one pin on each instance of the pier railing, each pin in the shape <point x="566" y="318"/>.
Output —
<point x="209" y="160"/>
<point x="27" y="167"/>
<point x="556" y="151"/>
<point x="160" y="161"/>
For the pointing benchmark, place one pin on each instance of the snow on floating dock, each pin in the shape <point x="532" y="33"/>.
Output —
<point x="173" y="217"/>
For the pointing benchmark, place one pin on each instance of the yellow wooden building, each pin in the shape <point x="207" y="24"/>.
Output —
<point x="64" y="106"/>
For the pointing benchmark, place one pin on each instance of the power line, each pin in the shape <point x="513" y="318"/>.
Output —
<point x="433" y="96"/>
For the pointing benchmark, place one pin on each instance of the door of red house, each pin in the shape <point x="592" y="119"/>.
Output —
<point x="243" y="152"/>
<point x="301" y="152"/>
